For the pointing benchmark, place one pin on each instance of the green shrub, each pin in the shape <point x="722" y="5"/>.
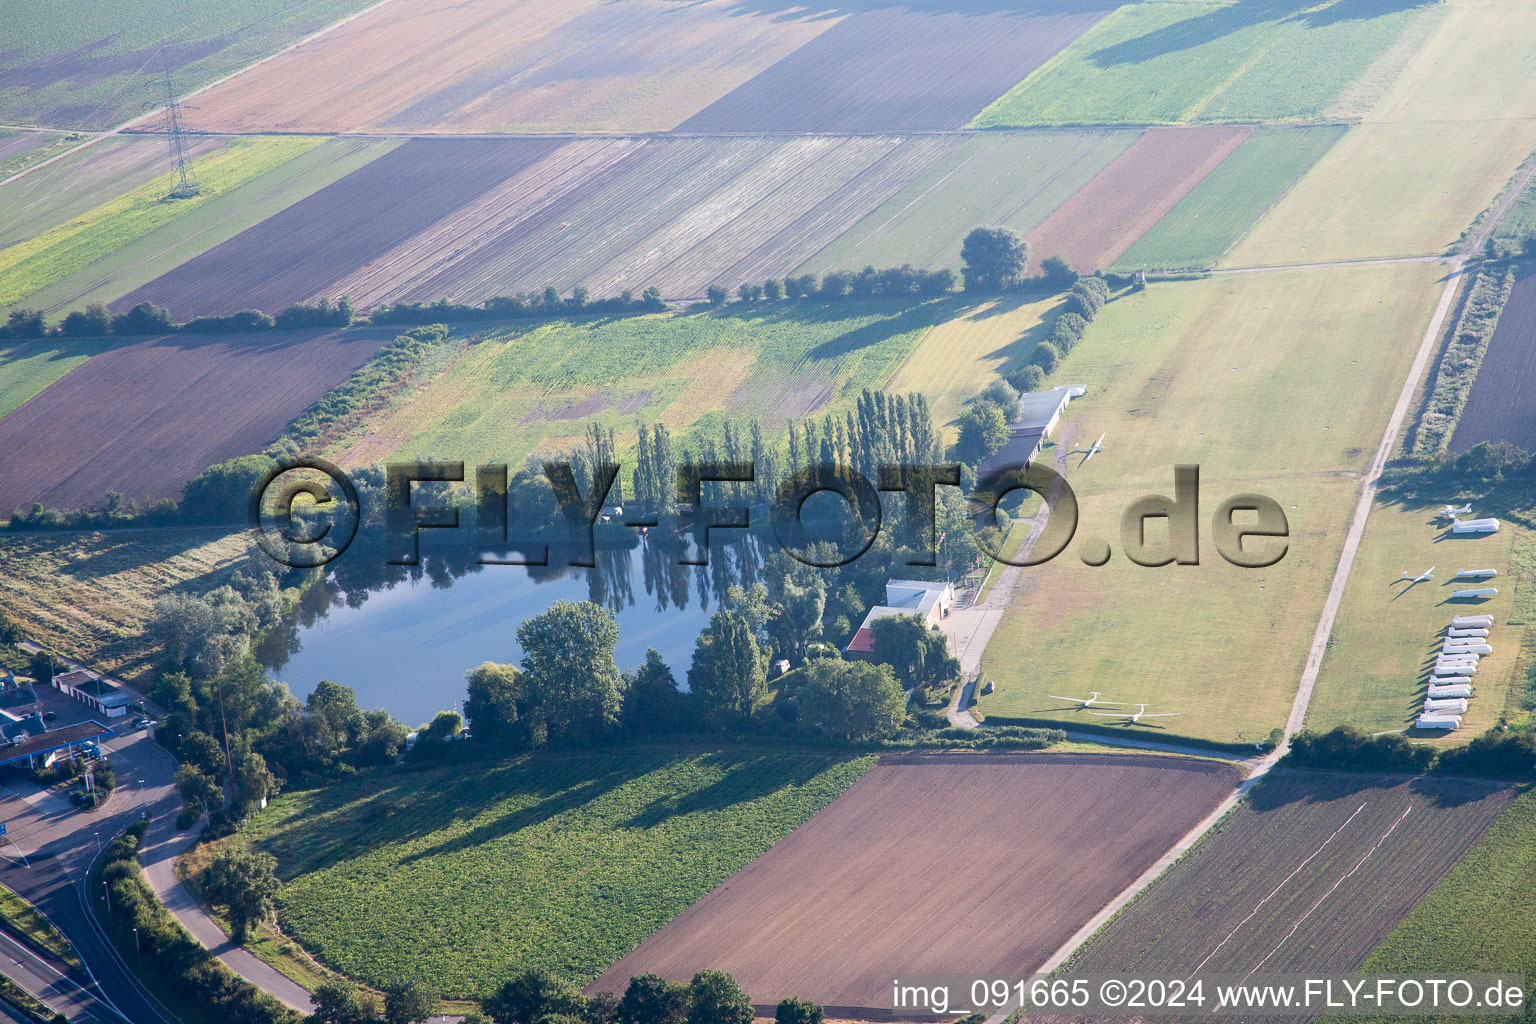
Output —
<point x="1046" y="356"/>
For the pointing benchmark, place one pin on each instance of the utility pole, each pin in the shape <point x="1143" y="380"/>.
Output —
<point x="184" y="183"/>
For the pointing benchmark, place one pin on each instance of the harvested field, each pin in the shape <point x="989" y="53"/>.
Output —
<point x="295" y="254"/>
<point x="546" y="65"/>
<point x="1014" y="180"/>
<point x="1132" y="194"/>
<point x="82" y="64"/>
<point x="471" y="219"/>
<point x="1306" y="875"/>
<point x="1502" y="405"/>
<point x="82" y="181"/>
<point x="969" y="349"/>
<point x="144" y="418"/>
<point x="884" y="880"/>
<point x="896" y="68"/>
<point x="89" y="594"/>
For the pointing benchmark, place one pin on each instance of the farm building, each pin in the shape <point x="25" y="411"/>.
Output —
<point x="100" y="695"/>
<point x="930" y="600"/>
<point x="1037" y="415"/>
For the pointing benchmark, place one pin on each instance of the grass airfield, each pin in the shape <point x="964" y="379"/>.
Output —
<point x="1278" y="383"/>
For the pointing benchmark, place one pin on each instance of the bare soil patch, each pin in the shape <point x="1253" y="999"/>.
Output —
<point x="1125" y="199"/>
<point x="1502" y="404"/>
<point x="1307" y="875"/>
<point x="939" y="864"/>
<point x="145" y="418"/>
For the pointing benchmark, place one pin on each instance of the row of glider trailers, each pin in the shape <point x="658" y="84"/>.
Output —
<point x="1450" y="681"/>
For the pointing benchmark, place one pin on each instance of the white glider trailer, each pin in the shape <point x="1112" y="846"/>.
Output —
<point x="1478" y="593"/>
<point x="1438" y="722"/>
<point x="1444" y="691"/>
<point x="1454" y="670"/>
<point x="1463" y="634"/>
<point x="1451" y="649"/>
<point x="1472" y="622"/>
<point x="1476" y="526"/>
<point x="1476" y="574"/>
<point x="1445" y="706"/>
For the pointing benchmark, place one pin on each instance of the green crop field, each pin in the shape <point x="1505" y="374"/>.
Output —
<point x="1014" y="180"/>
<point x="195" y="230"/>
<point x="1478" y="918"/>
<point x="1278" y="383"/>
<point x="1169" y="61"/>
<point x="38" y="262"/>
<point x="564" y="862"/>
<point x="83" y="64"/>
<point x="1431" y="155"/>
<point x="1385" y="635"/>
<point x="1220" y="210"/>
<point x="520" y="386"/>
<point x="26" y="367"/>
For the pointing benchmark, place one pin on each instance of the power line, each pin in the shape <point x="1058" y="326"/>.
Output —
<point x="184" y="183"/>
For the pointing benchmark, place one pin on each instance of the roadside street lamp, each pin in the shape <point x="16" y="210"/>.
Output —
<point x="137" y="950"/>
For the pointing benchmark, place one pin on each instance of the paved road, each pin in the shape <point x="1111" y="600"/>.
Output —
<point x="162" y="845"/>
<point x="51" y="849"/>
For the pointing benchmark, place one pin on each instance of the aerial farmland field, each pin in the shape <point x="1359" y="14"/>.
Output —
<point x="897" y="68"/>
<point x="1097" y="225"/>
<point x="812" y="919"/>
<point x="1502" y="403"/>
<point x="1013" y="179"/>
<point x="89" y="594"/>
<point x="507" y="216"/>
<point x="47" y="258"/>
<point x="1279" y="383"/>
<point x="567" y="860"/>
<point x="1207" y="60"/>
<point x="1478" y="916"/>
<point x="82" y="181"/>
<point x="1308" y="874"/>
<point x="1428" y="158"/>
<point x="541" y="66"/>
<point x="970" y="348"/>
<point x="134" y="418"/>
<point x="516" y="388"/>
<point x="81" y="64"/>
<point x="1221" y="208"/>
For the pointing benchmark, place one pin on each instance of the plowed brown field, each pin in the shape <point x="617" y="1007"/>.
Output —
<point x="490" y="65"/>
<point x="935" y="864"/>
<point x="897" y="68"/>
<point x="468" y="219"/>
<point x="145" y="418"/>
<point x="1118" y="206"/>
<point x="1306" y="876"/>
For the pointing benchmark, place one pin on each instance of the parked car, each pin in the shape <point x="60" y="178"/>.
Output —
<point x="49" y="716"/>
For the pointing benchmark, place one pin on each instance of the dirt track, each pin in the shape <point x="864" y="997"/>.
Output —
<point x="935" y="863"/>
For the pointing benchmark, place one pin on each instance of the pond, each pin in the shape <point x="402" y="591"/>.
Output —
<point x="404" y="637"/>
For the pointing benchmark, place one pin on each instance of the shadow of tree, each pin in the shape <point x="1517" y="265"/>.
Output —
<point x="1200" y="29"/>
